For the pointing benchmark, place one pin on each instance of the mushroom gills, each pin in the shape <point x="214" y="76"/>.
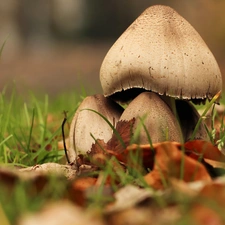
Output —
<point x="87" y="123"/>
<point x="153" y="118"/>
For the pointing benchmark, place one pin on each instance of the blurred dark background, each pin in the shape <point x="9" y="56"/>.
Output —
<point x="54" y="46"/>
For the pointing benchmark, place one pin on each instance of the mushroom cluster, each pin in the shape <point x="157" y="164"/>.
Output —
<point x="157" y="66"/>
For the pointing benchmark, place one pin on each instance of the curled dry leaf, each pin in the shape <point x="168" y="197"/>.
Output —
<point x="146" y="151"/>
<point x="196" y="149"/>
<point x="199" y="149"/>
<point x="101" y="151"/>
<point x="124" y="129"/>
<point x="98" y="154"/>
<point x="169" y="162"/>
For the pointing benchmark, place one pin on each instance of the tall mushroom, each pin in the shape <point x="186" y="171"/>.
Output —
<point x="161" y="52"/>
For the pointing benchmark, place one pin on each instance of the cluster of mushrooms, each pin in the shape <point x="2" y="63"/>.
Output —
<point x="157" y="66"/>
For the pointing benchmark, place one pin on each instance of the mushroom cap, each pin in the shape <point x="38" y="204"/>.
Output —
<point x="160" y="122"/>
<point x="160" y="52"/>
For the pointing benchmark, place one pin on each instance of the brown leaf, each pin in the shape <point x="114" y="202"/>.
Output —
<point x="124" y="128"/>
<point x="98" y="147"/>
<point x="169" y="162"/>
<point x="204" y="149"/>
<point x="147" y="154"/>
<point x="98" y="154"/>
<point x="100" y="150"/>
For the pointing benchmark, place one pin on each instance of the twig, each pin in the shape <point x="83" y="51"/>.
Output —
<point x="63" y="136"/>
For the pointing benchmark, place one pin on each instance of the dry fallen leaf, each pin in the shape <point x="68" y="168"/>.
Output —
<point x="204" y="149"/>
<point x="124" y="129"/>
<point x="169" y="162"/>
<point x="101" y="151"/>
<point x="147" y="153"/>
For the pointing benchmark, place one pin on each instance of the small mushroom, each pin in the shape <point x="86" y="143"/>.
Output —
<point x="160" y="52"/>
<point x="86" y="122"/>
<point x="159" y="120"/>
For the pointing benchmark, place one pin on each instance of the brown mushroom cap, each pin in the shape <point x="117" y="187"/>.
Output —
<point x="160" y="52"/>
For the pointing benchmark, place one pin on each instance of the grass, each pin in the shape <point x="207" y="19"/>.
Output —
<point x="30" y="129"/>
<point x="29" y="133"/>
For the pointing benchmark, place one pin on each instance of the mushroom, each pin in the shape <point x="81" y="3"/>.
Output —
<point x="160" y="124"/>
<point x="163" y="56"/>
<point x="87" y="121"/>
<point x="160" y="52"/>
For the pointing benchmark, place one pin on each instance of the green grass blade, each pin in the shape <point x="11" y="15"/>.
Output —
<point x="31" y="130"/>
<point x="3" y="45"/>
<point x="215" y="98"/>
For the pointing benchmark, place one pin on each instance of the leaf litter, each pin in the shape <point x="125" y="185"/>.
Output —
<point x="180" y="182"/>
